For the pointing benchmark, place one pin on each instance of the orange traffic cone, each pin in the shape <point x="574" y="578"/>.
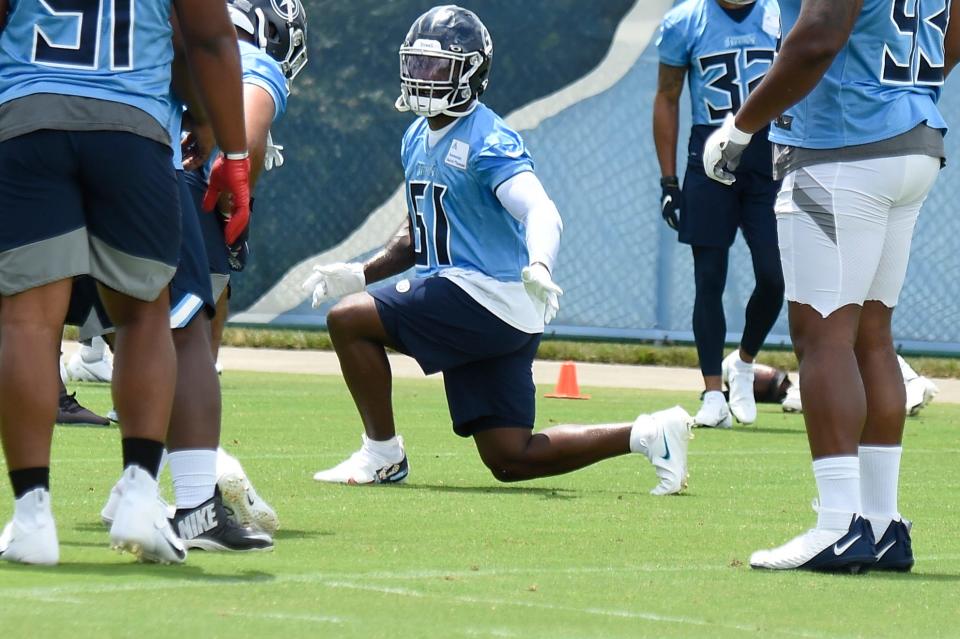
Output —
<point x="567" y="386"/>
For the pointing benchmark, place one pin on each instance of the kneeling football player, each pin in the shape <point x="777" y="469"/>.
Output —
<point x="483" y="236"/>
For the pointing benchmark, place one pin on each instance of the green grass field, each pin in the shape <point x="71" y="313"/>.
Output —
<point x="454" y="554"/>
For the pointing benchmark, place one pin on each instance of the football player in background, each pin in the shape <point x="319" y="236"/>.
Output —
<point x="273" y="51"/>
<point x="859" y="143"/>
<point x="723" y="48"/>
<point x="483" y="236"/>
<point x="87" y="187"/>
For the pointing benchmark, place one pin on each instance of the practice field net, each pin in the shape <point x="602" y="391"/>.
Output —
<point x="624" y="274"/>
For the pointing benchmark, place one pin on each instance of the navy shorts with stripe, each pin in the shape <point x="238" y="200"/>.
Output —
<point x="212" y="231"/>
<point x="190" y="290"/>
<point x="487" y="364"/>
<point x="712" y="212"/>
<point x="102" y="203"/>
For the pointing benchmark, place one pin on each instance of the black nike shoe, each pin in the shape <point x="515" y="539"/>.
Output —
<point x="210" y="527"/>
<point x="71" y="413"/>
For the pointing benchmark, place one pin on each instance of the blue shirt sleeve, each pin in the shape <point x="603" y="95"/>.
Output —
<point x="263" y="71"/>
<point x="672" y="44"/>
<point x="501" y="155"/>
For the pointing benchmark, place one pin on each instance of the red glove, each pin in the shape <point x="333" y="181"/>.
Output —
<point x="230" y="176"/>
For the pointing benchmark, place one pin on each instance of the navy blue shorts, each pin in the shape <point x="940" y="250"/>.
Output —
<point x="190" y="290"/>
<point x="102" y="203"/>
<point x="487" y="364"/>
<point x="712" y="212"/>
<point x="212" y="231"/>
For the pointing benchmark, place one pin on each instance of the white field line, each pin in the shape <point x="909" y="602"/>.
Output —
<point x="283" y="616"/>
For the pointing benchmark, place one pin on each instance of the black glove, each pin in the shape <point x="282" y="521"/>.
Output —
<point x="671" y="201"/>
<point x="239" y="251"/>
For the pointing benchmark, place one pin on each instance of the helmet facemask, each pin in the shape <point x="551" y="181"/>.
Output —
<point x="436" y="82"/>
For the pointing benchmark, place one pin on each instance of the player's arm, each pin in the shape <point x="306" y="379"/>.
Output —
<point x="525" y="199"/>
<point x="258" y="109"/>
<point x="199" y="142"/>
<point x="666" y="117"/>
<point x="331" y="281"/>
<point x="666" y="131"/>
<point x="213" y="54"/>
<point x="821" y="31"/>
<point x="951" y="46"/>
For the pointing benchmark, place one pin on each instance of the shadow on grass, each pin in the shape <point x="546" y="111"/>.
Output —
<point x="546" y="493"/>
<point x="750" y="429"/>
<point x="185" y="572"/>
<point x="291" y="533"/>
<point x="913" y="577"/>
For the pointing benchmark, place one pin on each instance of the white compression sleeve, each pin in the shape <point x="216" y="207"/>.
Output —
<point x="524" y="197"/>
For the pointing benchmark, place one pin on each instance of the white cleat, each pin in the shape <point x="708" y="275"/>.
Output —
<point x="249" y="509"/>
<point x="668" y="449"/>
<point x="91" y="363"/>
<point x="714" y="413"/>
<point x="140" y="524"/>
<point x="367" y="467"/>
<point x="739" y="377"/>
<point x="791" y="403"/>
<point x="920" y="392"/>
<point x="31" y="536"/>
<point x="63" y="372"/>
<point x="834" y="549"/>
<point x="109" y="510"/>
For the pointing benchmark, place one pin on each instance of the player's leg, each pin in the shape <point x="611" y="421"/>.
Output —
<point x="708" y="223"/>
<point x="759" y="226"/>
<point x="219" y="321"/>
<point x="133" y="215"/>
<point x="881" y="440"/>
<point x="42" y="244"/>
<point x="710" y="331"/>
<point x="494" y="401"/>
<point x="832" y="222"/>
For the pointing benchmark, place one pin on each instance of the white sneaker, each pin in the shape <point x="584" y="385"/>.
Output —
<point x="249" y="509"/>
<point x="217" y="365"/>
<point x="140" y="525"/>
<point x="109" y="510"/>
<point x="63" y="372"/>
<point x="714" y="413"/>
<point x="739" y="377"/>
<point x="823" y="549"/>
<point x="91" y="363"/>
<point x="920" y="392"/>
<point x="31" y="536"/>
<point x="366" y="467"/>
<point x="791" y="403"/>
<point x="670" y="458"/>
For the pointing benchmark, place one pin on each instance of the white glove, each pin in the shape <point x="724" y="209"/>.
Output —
<point x="721" y="153"/>
<point x="335" y="280"/>
<point x="273" y="157"/>
<point x="541" y="287"/>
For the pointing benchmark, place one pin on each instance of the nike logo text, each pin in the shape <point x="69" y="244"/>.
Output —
<point x="197" y="523"/>
<point x="839" y="550"/>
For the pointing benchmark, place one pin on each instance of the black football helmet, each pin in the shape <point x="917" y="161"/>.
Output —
<point x="444" y="63"/>
<point x="278" y="27"/>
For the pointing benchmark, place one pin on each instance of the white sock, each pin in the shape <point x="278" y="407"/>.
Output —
<point x="879" y="476"/>
<point x="838" y="481"/>
<point x="645" y="437"/>
<point x="714" y="396"/>
<point x="388" y="449"/>
<point x="194" y="476"/>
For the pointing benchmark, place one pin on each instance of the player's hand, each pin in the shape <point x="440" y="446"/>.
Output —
<point x="722" y="152"/>
<point x="197" y="146"/>
<point x="335" y="280"/>
<point x="273" y="156"/>
<point x="541" y="287"/>
<point x="671" y="201"/>
<point x="231" y="176"/>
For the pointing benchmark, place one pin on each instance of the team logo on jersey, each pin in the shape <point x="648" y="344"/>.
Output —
<point x="286" y="9"/>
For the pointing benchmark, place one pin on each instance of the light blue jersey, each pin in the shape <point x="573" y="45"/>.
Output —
<point x="263" y="71"/>
<point x="884" y="82"/>
<point x="725" y="59"/>
<point x="456" y="219"/>
<point x="119" y="51"/>
<point x="175" y="128"/>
